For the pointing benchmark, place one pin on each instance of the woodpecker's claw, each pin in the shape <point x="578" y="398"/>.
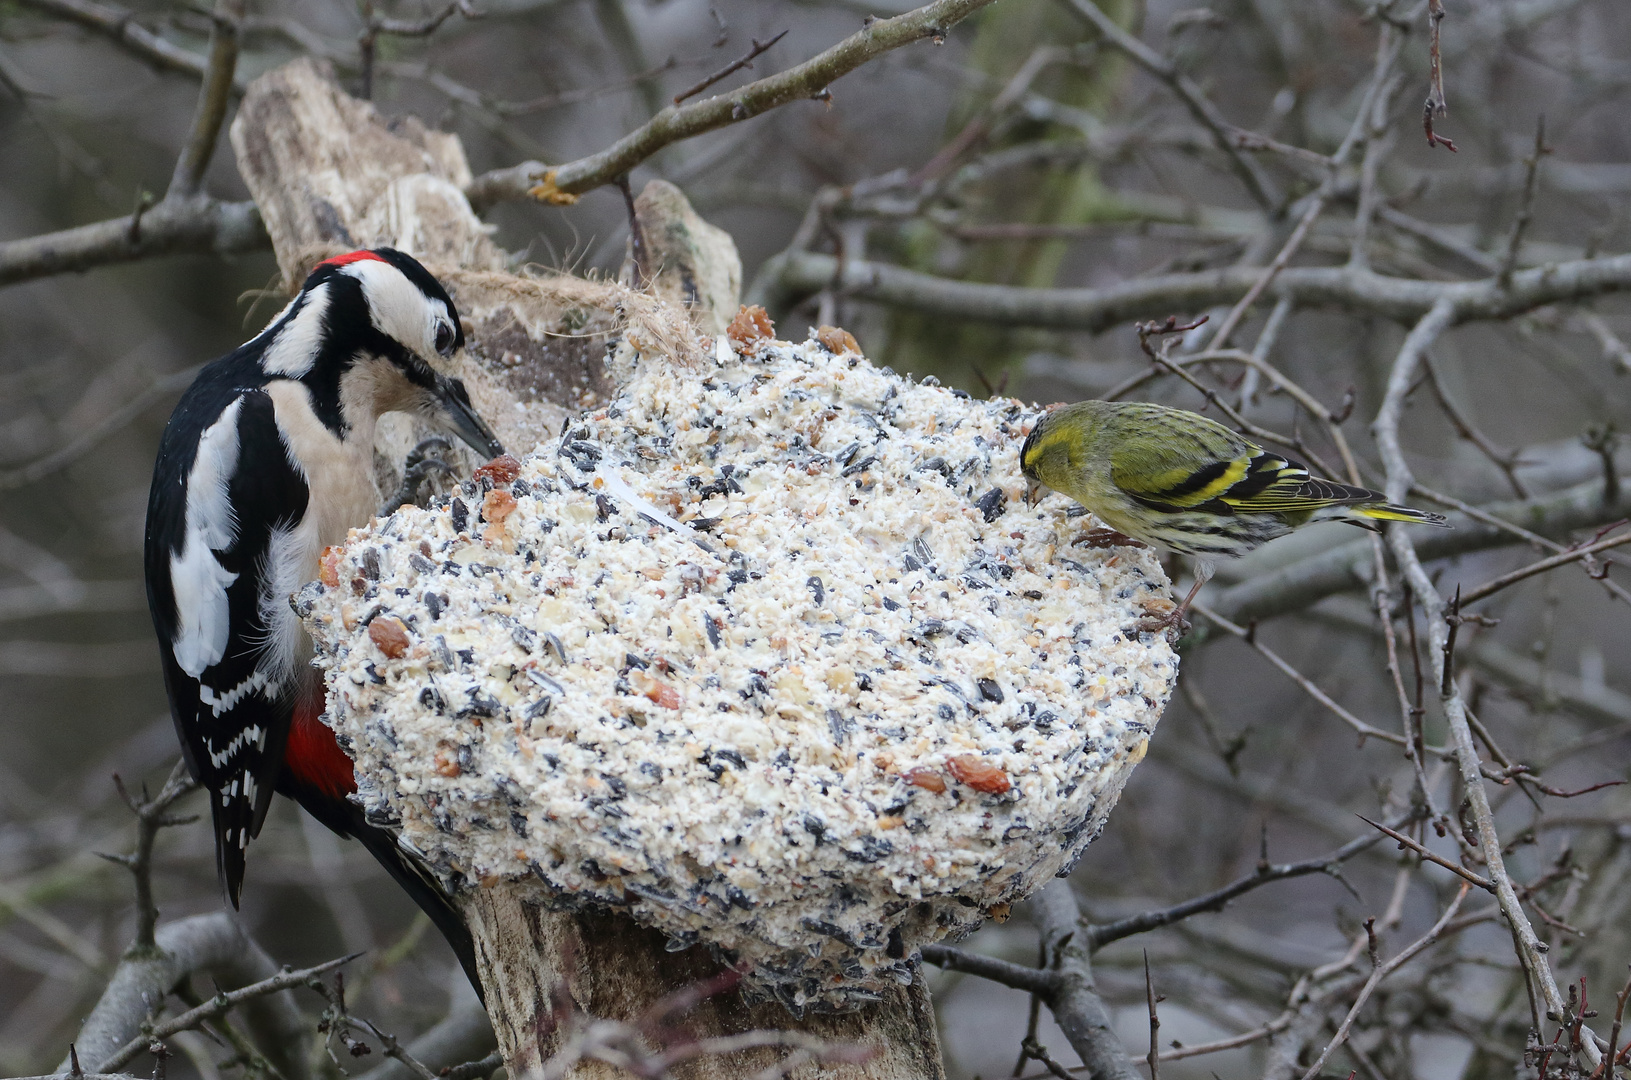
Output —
<point x="418" y="467"/>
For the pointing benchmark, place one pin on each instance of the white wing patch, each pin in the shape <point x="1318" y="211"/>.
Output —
<point x="294" y="349"/>
<point x="197" y="579"/>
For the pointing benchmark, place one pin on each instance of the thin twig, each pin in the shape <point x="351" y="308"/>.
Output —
<point x="1153" y="1058"/>
<point x="1505" y="460"/>
<point x="1526" y="204"/>
<point x="1309" y="687"/>
<point x="1225" y="134"/>
<point x="1376" y="94"/>
<point x="1407" y="842"/>
<point x="746" y="61"/>
<point x="121" y="26"/>
<point x="1100" y="936"/>
<point x="1489" y="588"/>
<point x="1381" y="972"/>
<point x="1436" y="105"/>
<point x="152" y="816"/>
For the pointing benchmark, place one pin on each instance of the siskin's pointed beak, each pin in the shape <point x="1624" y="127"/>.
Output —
<point x="462" y="418"/>
<point x="1034" y="493"/>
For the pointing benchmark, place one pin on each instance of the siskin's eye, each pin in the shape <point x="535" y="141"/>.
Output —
<point x="444" y="339"/>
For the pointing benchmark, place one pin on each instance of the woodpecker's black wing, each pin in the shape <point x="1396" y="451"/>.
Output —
<point x="224" y="496"/>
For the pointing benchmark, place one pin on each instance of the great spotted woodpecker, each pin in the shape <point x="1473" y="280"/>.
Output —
<point x="269" y="458"/>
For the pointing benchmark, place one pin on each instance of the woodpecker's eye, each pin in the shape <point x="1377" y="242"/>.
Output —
<point x="444" y="339"/>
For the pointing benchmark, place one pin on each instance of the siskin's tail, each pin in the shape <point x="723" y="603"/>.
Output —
<point x="1390" y="512"/>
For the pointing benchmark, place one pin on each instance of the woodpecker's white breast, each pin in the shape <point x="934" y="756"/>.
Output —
<point x="339" y="473"/>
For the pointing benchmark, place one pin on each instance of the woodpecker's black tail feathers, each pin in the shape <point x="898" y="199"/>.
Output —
<point x="346" y="818"/>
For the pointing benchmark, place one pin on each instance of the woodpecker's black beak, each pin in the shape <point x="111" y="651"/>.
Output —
<point x="461" y="416"/>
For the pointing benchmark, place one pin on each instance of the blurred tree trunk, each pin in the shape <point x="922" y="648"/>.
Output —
<point x="1049" y="194"/>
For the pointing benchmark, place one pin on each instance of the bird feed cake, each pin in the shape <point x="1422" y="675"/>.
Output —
<point x="769" y="652"/>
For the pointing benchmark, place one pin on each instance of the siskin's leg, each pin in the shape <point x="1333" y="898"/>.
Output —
<point x="1178" y="618"/>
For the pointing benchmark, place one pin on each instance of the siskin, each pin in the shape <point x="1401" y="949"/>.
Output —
<point x="1176" y="480"/>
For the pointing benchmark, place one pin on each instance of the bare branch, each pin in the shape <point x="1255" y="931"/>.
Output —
<point x="1381" y="972"/>
<point x="1375" y="99"/>
<point x="1018" y="976"/>
<point x="120" y="25"/>
<point x="1339" y="569"/>
<point x="217" y="1006"/>
<point x="152" y="815"/>
<point x="1100" y="936"/>
<point x="1406" y="842"/>
<point x="199" y="225"/>
<point x="204" y="943"/>
<point x="564" y="183"/>
<point x="375" y="24"/>
<point x="1542" y="985"/>
<point x="213" y="98"/>
<point x="465" y="1034"/>
<point x="1354" y="289"/>
<point x="1075" y="1002"/>
<point x="1570" y="555"/>
<point x="88" y="440"/>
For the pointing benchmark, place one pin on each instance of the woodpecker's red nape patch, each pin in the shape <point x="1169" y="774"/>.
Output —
<point x="312" y="757"/>
<point x="355" y="256"/>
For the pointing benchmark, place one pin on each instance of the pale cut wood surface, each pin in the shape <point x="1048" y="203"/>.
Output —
<point x="609" y="967"/>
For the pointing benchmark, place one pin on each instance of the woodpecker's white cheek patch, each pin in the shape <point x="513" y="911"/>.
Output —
<point x="396" y="306"/>
<point x="294" y="349"/>
<point x="197" y="579"/>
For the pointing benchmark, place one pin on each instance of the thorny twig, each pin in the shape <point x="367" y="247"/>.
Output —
<point x="1381" y="971"/>
<point x="1419" y="849"/>
<point x="220" y="1005"/>
<point x="152" y="815"/>
<point x="1153" y="1058"/>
